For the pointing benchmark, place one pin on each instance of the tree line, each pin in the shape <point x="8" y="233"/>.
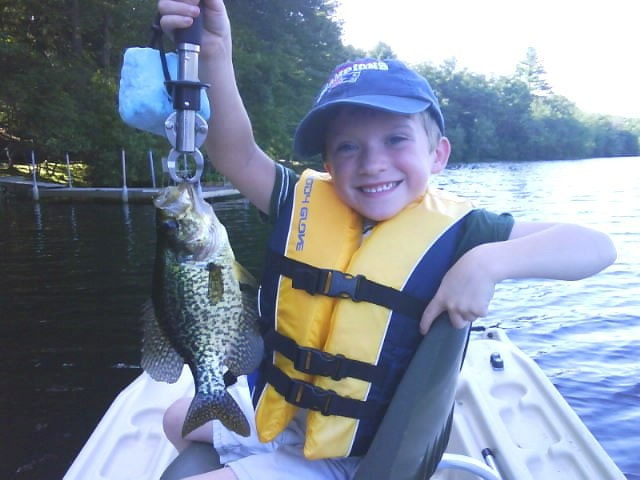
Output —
<point x="61" y="64"/>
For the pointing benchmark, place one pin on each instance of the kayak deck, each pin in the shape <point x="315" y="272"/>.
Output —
<point x="518" y="413"/>
<point x="129" y="442"/>
<point x="515" y="411"/>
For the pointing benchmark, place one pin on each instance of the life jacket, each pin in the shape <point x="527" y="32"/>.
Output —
<point x="340" y="312"/>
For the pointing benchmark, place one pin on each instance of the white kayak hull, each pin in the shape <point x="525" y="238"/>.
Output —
<point x="516" y="412"/>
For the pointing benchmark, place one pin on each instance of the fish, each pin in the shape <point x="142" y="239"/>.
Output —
<point x="203" y="308"/>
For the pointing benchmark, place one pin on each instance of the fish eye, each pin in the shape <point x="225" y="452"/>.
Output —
<point x="169" y="225"/>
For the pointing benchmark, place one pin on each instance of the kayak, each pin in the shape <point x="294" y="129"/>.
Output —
<point x="509" y="423"/>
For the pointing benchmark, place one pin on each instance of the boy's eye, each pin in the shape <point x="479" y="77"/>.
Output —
<point x="396" y="139"/>
<point x="345" y="147"/>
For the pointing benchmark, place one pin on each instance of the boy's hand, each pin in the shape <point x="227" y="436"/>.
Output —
<point x="177" y="14"/>
<point x="465" y="292"/>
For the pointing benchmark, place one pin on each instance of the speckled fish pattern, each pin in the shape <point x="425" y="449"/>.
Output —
<point x="203" y="310"/>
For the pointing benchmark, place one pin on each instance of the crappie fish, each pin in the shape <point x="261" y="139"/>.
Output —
<point x="203" y="310"/>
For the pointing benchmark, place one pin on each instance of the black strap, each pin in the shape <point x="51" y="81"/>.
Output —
<point x="316" y="362"/>
<point x="334" y="283"/>
<point x="327" y="402"/>
<point x="156" y="42"/>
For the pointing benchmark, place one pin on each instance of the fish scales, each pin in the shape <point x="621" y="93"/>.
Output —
<point x="200" y="313"/>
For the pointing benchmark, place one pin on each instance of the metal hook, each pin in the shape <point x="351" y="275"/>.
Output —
<point x="184" y="176"/>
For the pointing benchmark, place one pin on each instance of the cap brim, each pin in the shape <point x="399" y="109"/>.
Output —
<point x="309" y="138"/>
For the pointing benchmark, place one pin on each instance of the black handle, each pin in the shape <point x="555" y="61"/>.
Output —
<point x="192" y="34"/>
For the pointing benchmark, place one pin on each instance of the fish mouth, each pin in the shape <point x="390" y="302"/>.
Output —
<point x="379" y="187"/>
<point x="186" y="223"/>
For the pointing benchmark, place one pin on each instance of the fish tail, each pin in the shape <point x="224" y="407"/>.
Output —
<point x="217" y="405"/>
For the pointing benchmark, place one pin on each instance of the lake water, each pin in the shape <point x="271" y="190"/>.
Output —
<point x="73" y="277"/>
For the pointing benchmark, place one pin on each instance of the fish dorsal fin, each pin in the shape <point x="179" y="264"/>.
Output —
<point x="243" y="276"/>
<point x="216" y="282"/>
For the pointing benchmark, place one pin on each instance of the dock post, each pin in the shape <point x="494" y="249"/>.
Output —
<point x="125" y="193"/>
<point x="153" y="171"/>
<point x="36" y="193"/>
<point x="66" y="156"/>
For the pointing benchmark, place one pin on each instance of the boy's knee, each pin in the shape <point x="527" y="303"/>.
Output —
<point x="173" y="420"/>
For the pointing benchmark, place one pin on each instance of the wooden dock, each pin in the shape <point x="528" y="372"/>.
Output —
<point x="24" y="188"/>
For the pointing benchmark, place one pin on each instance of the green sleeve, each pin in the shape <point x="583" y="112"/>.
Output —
<point x="283" y="186"/>
<point x="481" y="227"/>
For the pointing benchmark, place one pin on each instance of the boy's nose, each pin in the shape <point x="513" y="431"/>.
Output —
<point x="372" y="161"/>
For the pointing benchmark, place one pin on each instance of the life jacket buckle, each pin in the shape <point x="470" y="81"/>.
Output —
<point x="332" y="283"/>
<point x="307" y="395"/>
<point x="316" y="362"/>
<point x="342" y="285"/>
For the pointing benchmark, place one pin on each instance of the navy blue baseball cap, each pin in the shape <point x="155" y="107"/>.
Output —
<point x="387" y="85"/>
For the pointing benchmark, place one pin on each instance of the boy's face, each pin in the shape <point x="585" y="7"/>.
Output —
<point x="381" y="162"/>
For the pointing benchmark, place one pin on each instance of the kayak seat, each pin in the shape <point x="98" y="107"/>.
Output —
<point x="414" y="433"/>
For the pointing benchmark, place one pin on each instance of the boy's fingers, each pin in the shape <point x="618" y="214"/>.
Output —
<point x="430" y="313"/>
<point x="435" y="308"/>
<point x="458" y="321"/>
<point x="177" y="11"/>
<point x="174" y="22"/>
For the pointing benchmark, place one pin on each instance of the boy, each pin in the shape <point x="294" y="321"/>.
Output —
<point x="340" y="341"/>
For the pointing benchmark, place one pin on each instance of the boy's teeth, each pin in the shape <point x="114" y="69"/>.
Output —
<point x="378" y="188"/>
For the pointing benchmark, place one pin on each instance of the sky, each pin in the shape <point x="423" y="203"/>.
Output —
<point x="589" y="49"/>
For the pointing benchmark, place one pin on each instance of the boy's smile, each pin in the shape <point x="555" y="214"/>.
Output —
<point x="380" y="161"/>
<point x="379" y="188"/>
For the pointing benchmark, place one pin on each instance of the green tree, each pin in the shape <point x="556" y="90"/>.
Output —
<point x="381" y="51"/>
<point x="531" y="71"/>
<point x="512" y="118"/>
<point x="284" y="51"/>
<point x="61" y="71"/>
<point x="560" y="133"/>
<point x="612" y="137"/>
<point x="58" y="85"/>
<point x="469" y="104"/>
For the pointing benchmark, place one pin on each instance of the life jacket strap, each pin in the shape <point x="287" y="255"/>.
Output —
<point x="334" y="283"/>
<point x="317" y="362"/>
<point x="327" y="402"/>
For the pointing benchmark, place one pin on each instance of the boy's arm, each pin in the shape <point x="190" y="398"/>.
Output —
<point x="533" y="250"/>
<point x="558" y="251"/>
<point x="230" y="144"/>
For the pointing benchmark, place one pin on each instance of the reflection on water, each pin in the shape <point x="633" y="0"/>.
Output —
<point x="75" y="275"/>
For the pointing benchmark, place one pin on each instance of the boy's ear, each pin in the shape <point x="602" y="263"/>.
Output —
<point x="327" y="167"/>
<point x="441" y="152"/>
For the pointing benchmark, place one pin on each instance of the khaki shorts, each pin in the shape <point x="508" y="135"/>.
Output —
<point x="281" y="459"/>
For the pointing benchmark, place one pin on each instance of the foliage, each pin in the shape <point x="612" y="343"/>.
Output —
<point x="283" y="51"/>
<point x="60" y="74"/>
<point x="519" y="118"/>
<point x="533" y="74"/>
<point x="381" y="51"/>
<point x="56" y="172"/>
<point x="61" y="64"/>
